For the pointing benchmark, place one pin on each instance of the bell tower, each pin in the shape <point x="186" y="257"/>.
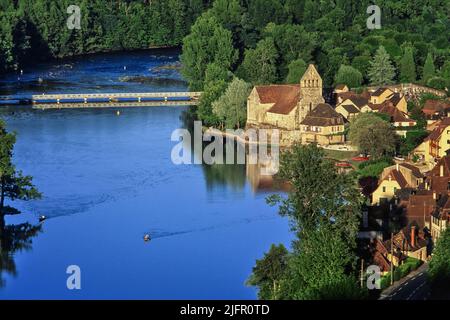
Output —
<point x="310" y="91"/>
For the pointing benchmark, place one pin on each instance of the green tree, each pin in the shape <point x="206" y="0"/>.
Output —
<point x="319" y="193"/>
<point x="429" y="70"/>
<point x="269" y="272"/>
<point x="207" y="43"/>
<point x="318" y="269"/>
<point x="213" y="90"/>
<point x="439" y="271"/>
<point x="231" y="107"/>
<point x="297" y="69"/>
<point x="13" y="184"/>
<point x="381" y="70"/>
<point x="259" y="65"/>
<point x="372" y="135"/>
<point x="349" y="76"/>
<point x="323" y="207"/>
<point x="408" y="67"/>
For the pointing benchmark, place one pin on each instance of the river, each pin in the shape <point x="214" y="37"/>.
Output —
<point x="108" y="180"/>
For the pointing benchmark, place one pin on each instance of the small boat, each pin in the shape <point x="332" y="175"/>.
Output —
<point x="147" y="238"/>
<point x="42" y="218"/>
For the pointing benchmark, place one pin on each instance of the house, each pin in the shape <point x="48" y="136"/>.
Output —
<point x="381" y="95"/>
<point x="388" y="186"/>
<point x="413" y="176"/>
<point x="348" y="111"/>
<point x="440" y="218"/>
<point x="438" y="178"/>
<point x="397" y="117"/>
<point x="285" y="106"/>
<point x="399" y="102"/>
<point x="409" y="242"/>
<point x="436" y="145"/>
<point x="395" y="178"/>
<point x="430" y="199"/>
<point x="435" y="110"/>
<point x="340" y="88"/>
<point x="419" y="207"/>
<point x="323" y="125"/>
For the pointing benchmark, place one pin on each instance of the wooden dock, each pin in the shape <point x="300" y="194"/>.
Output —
<point x="104" y="100"/>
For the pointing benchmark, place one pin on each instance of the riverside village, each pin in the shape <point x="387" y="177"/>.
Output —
<point x="407" y="204"/>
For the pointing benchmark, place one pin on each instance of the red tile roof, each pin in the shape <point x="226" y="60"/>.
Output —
<point x="284" y="97"/>
<point x="435" y="106"/>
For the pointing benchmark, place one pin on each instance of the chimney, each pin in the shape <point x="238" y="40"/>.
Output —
<point x="441" y="170"/>
<point x="413" y="236"/>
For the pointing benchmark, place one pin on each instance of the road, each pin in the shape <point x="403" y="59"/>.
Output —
<point x="412" y="287"/>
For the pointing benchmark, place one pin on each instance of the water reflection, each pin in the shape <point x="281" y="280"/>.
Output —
<point x="14" y="238"/>
<point x="235" y="175"/>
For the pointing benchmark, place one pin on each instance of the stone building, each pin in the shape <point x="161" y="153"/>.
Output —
<point x="284" y="107"/>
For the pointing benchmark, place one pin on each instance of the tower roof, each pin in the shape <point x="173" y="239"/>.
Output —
<point x="311" y="73"/>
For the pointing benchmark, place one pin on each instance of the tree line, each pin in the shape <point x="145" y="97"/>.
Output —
<point x="33" y="30"/>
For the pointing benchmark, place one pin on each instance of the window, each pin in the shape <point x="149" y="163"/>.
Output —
<point x="395" y="189"/>
<point x="384" y="189"/>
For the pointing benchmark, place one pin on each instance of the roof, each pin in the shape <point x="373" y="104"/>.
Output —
<point x="434" y="106"/>
<point x="379" y="92"/>
<point x="323" y="115"/>
<point x="397" y="176"/>
<point x="341" y="86"/>
<point x="436" y="171"/>
<point x="395" y="114"/>
<point x="284" y="97"/>
<point x="396" y="98"/>
<point x="359" y="101"/>
<point x="436" y="133"/>
<point x="415" y="171"/>
<point x="350" y="108"/>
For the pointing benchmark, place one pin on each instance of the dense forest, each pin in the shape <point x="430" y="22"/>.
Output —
<point x="32" y="30"/>
<point x="261" y="41"/>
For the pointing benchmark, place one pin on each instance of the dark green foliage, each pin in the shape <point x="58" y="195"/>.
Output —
<point x="439" y="271"/>
<point x="324" y="209"/>
<point x="216" y="47"/>
<point x="372" y="135"/>
<point x="373" y="168"/>
<point x="36" y="29"/>
<point x="408" y="67"/>
<point x="429" y="71"/>
<point x="349" y="76"/>
<point x="296" y="70"/>
<point x="13" y="185"/>
<point x="269" y="272"/>
<point x="411" y="141"/>
<point x="259" y="65"/>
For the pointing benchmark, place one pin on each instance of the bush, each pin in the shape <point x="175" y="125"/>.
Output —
<point x="373" y="168"/>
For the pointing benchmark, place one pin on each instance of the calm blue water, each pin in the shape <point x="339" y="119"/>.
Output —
<point x="108" y="180"/>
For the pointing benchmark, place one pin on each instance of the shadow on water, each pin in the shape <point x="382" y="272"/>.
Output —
<point x="14" y="238"/>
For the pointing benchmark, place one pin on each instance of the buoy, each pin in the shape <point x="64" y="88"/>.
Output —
<point x="118" y="112"/>
<point x="42" y="218"/>
<point x="147" y="237"/>
<point x="21" y="71"/>
<point x="124" y="67"/>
